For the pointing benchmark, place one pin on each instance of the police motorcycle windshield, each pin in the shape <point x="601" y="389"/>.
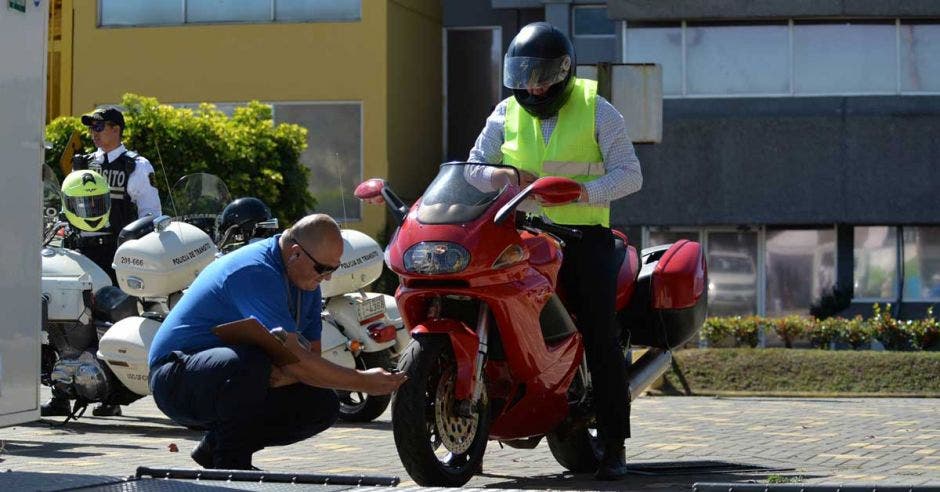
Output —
<point x="199" y="200"/>
<point x="452" y="199"/>
<point x="51" y="197"/>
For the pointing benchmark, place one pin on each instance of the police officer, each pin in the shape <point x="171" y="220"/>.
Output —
<point x="133" y="195"/>
<point x="130" y="175"/>
<point x="556" y="125"/>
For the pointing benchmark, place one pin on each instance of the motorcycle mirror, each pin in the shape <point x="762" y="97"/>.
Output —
<point x="370" y="190"/>
<point x="551" y="189"/>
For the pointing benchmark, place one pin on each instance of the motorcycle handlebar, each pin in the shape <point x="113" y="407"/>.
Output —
<point x="555" y="229"/>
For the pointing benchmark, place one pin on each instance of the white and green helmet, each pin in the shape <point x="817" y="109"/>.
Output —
<point x="86" y="200"/>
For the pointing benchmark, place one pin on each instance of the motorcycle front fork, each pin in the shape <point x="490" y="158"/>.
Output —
<point x="465" y="407"/>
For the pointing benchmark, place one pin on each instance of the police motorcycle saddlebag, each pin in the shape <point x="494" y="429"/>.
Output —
<point x="668" y="306"/>
<point x="163" y="261"/>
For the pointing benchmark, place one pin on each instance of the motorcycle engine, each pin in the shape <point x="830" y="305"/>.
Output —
<point x="82" y="377"/>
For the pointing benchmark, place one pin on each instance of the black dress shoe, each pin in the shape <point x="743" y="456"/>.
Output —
<point x="202" y="455"/>
<point x="613" y="465"/>
<point x="55" y="407"/>
<point x="107" y="411"/>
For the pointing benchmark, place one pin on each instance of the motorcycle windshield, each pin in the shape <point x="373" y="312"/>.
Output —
<point x="199" y="200"/>
<point x="456" y="195"/>
<point x="51" y="197"/>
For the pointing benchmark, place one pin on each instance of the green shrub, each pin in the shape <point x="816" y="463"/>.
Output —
<point x="924" y="333"/>
<point x="253" y="156"/>
<point x="790" y="328"/>
<point x="715" y="331"/>
<point x="893" y="334"/>
<point x="825" y="331"/>
<point x="856" y="332"/>
<point x="746" y="331"/>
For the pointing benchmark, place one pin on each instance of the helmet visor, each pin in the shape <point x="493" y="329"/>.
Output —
<point x="525" y="72"/>
<point x="89" y="206"/>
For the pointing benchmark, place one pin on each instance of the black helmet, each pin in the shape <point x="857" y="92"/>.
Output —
<point x="240" y="220"/>
<point x="540" y="56"/>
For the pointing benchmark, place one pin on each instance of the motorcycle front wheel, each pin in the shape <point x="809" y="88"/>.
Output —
<point x="438" y="446"/>
<point x="361" y="407"/>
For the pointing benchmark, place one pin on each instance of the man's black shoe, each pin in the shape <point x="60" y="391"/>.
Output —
<point x="202" y="455"/>
<point x="613" y="465"/>
<point x="107" y="411"/>
<point x="55" y="407"/>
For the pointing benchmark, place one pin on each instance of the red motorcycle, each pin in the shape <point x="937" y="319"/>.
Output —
<point x="495" y="353"/>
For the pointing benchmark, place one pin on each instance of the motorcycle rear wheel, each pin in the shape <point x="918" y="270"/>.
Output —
<point x="578" y="450"/>
<point x="437" y="446"/>
<point x="362" y="407"/>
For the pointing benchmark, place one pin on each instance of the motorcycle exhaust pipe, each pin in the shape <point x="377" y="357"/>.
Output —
<point x="646" y="370"/>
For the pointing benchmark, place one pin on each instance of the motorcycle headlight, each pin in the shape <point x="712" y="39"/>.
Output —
<point x="431" y="258"/>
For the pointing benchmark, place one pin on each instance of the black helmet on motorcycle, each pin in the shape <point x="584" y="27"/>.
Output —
<point x="540" y="60"/>
<point x="240" y="220"/>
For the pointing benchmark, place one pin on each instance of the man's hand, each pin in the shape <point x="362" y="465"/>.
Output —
<point x="503" y="176"/>
<point x="280" y="378"/>
<point x="378" y="381"/>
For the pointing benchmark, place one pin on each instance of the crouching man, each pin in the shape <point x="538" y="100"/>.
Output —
<point x="234" y="392"/>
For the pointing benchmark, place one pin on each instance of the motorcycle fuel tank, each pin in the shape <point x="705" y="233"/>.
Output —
<point x="360" y="265"/>
<point x="164" y="261"/>
<point x="65" y="263"/>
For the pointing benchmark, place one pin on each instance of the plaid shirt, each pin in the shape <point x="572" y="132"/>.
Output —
<point x="622" y="177"/>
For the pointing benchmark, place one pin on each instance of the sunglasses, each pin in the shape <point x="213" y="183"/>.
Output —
<point x="321" y="269"/>
<point x="98" y="127"/>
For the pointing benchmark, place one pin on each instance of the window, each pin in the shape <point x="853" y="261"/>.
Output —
<point x="801" y="268"/>
<point x="121" y="13"/>
<point x="228" y="10"/>
<point x="140" y="12"/>
<point x="922" y="264"/>
<point x="738" y="59"/>
<point x="657" y="238"/>
<point x="305" y="10"/>
<point x="732" y="273"/>
<point x="592" y="21"/>
<point x="661" y="44"/>
<point x="920" y="65"/>
<point x="844" y="58"/>
<point x="333" y="155"/>
<point x="800" y="58"/>
<point x="876" y="258"/>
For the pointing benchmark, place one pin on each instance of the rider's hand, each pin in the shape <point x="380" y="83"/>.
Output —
<point x="378" y="381"/>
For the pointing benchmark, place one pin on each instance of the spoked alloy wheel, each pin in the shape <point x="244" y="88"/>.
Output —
<point x="438" y="446"/>
<point x="355" y="406"/>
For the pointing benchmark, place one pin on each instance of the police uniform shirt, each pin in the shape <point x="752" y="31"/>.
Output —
<point x="138" y="186"/>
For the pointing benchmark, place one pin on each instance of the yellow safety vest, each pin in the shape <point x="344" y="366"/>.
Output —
<point x="572" y="150"/>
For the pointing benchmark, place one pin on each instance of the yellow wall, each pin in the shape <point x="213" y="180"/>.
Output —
<point x="240" y="62"/>
<point x="415" y="94"/>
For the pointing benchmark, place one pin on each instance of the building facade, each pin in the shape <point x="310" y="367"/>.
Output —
<point x="799" y="138"/>
<point x="363" y="77"/>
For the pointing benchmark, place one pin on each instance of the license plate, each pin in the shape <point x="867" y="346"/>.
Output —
<point x="371" y="308"/>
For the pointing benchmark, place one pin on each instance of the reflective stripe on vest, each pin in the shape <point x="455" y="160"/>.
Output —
<point x="572" y="150"/>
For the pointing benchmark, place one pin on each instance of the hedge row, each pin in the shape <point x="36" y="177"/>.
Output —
<point x="858" y="333"/>
<point x="807" y="371"/>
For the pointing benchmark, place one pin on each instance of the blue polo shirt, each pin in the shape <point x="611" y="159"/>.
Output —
<point x="249" y="282"/>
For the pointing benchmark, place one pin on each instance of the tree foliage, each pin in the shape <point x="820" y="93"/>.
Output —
<point x="248" y="151"/>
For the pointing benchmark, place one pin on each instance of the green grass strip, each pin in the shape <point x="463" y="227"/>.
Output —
<point x="796" y="372"/>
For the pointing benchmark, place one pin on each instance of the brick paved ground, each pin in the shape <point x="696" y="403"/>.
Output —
<point x="877" y="441"/>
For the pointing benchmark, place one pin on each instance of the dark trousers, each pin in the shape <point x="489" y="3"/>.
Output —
<point x="225" y="390"/>
<point x="589" y="277"/>
<point x="101" y="253"/>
